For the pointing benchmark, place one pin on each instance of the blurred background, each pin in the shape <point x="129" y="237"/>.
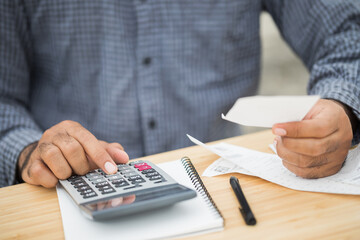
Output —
<point x="283" y="73"/>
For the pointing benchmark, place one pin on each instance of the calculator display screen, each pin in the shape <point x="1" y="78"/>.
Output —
<point x="140" y="196"/>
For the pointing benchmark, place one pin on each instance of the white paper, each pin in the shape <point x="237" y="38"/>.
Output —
<point x="190" y="216"/>
<point x="270" y="167"/>
<point x="223" y="166"/>
<point x="265" y="111"/>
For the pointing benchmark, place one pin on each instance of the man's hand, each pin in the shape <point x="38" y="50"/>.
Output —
<point x="318" y="145"/>
<point x="64" y="149"/>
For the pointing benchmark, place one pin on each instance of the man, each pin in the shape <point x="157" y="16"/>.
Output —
<point x="79" y="77"/>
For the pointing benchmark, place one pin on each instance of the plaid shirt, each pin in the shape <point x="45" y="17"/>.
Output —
<point x="145" y="73"/>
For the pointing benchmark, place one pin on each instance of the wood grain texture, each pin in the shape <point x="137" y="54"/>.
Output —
<point x="31" y="212"/>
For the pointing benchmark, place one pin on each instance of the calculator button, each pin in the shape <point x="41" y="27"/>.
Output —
<point x="79" y="180"/>
<point x="116" y="181"/>
<point x="80" y="184"/>
<point x="114" y="177"/>
<point x="132" y="178"/>
<point x="74" y="178"/>
<point x="140" y="180"/>
<point x="83" y="188"/>
<point x="151" y="174"/>
<point x="101" y="172"/>
<point x="135" y="162"/>
<point x="99" y="180"/>
<point x="140" y="164"/>
<point x="144" y="167"/>
<point x="121" y="184"/>
<point x="89" y="195"/>
<point x="148" y="171"/>
<point x="110" y="175"/>
<point x="124" y="171"/>
<point x="104" y="187"/>
<point x="155" y="177"/>
<point x="101" y="184"/>
<point x="106" y="191"/>
<point x="86" y="191"/>
<point x="92" y="174"/>
<point x="131" y="174"/>
<point x="92" y="178"/>
<point x="123" y="167"/>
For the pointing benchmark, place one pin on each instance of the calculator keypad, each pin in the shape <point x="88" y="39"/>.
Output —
<point x="129" y="176"/>
<point x="82" y="187"/>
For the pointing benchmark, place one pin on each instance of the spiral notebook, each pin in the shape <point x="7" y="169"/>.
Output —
<point x="191" y="217"/>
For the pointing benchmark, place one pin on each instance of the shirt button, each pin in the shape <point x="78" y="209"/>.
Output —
<point x="147" y="61"/>
<point x="152" y="124"/>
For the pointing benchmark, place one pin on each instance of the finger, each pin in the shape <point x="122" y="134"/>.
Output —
<point x="92" y="164"/>
<point x="92" y="147"/>
<point x="311" y="128"/>
<point x="55" y="161"/>
<point x="296" y="159"/>
<point x="116" y="202"/>
<point x="312" y="146"/>
<point x="37" y="173"/>
<point x="101" y="205"/>
<point x="116" y="145"/>
<point x="118" y="155"/>
<point x="314" y="172"/>
<point x="310" y="167"/>
<point x="116" y="152"/>
<point x="73" y="153"/>
<point x="129" y="199"/>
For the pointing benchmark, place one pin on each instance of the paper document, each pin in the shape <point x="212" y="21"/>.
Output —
<point x="265" y="111"/>
<point x="269" y="167"/>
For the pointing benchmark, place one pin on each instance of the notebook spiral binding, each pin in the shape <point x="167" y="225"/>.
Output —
<point x="199" y="185"/>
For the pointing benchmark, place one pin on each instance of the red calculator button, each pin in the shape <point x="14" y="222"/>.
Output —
<point x="140" y="165"/>
<point x="145" y="167"/>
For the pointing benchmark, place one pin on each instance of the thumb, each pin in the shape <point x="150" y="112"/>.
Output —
<point x="311" y="128"/>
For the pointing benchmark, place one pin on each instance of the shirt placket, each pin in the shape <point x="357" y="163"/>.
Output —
<point x="148" y="76"/>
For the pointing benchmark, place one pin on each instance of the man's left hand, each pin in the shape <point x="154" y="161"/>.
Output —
<point x="318" y="145"/>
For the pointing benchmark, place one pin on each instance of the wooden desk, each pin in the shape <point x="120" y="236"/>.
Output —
<point x="30" y="212"/>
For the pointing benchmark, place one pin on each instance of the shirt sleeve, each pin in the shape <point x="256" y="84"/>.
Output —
<point x="326" y="36"/>
<point x="17" y="128"/>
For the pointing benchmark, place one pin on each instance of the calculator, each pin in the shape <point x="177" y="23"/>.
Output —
<point x="136" y="187"/>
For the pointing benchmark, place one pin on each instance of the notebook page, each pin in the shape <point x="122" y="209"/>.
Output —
<point x="190" y="216"/>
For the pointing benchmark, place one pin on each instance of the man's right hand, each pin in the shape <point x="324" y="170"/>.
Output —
<point x="65" y="149"/>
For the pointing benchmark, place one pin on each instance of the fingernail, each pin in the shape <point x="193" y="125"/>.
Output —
<point x="110" y="168"/>
<point x="275" y="143"/>
<point x="280" y="131"/>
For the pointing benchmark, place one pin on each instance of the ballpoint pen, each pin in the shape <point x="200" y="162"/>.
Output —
<point x="245" y="208"/>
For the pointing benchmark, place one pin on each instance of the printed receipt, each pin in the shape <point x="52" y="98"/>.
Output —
<point x="269" y="167"/>
<point x="265" y="111"/>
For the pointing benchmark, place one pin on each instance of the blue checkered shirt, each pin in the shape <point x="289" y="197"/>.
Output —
<point x="146" y="72"/>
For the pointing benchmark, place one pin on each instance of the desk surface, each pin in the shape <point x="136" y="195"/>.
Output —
<point x="33" y="212"/>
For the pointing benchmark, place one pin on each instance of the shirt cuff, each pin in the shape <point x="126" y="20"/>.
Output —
<point x="11" y="146"/>
<point x="344" y="92"/>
